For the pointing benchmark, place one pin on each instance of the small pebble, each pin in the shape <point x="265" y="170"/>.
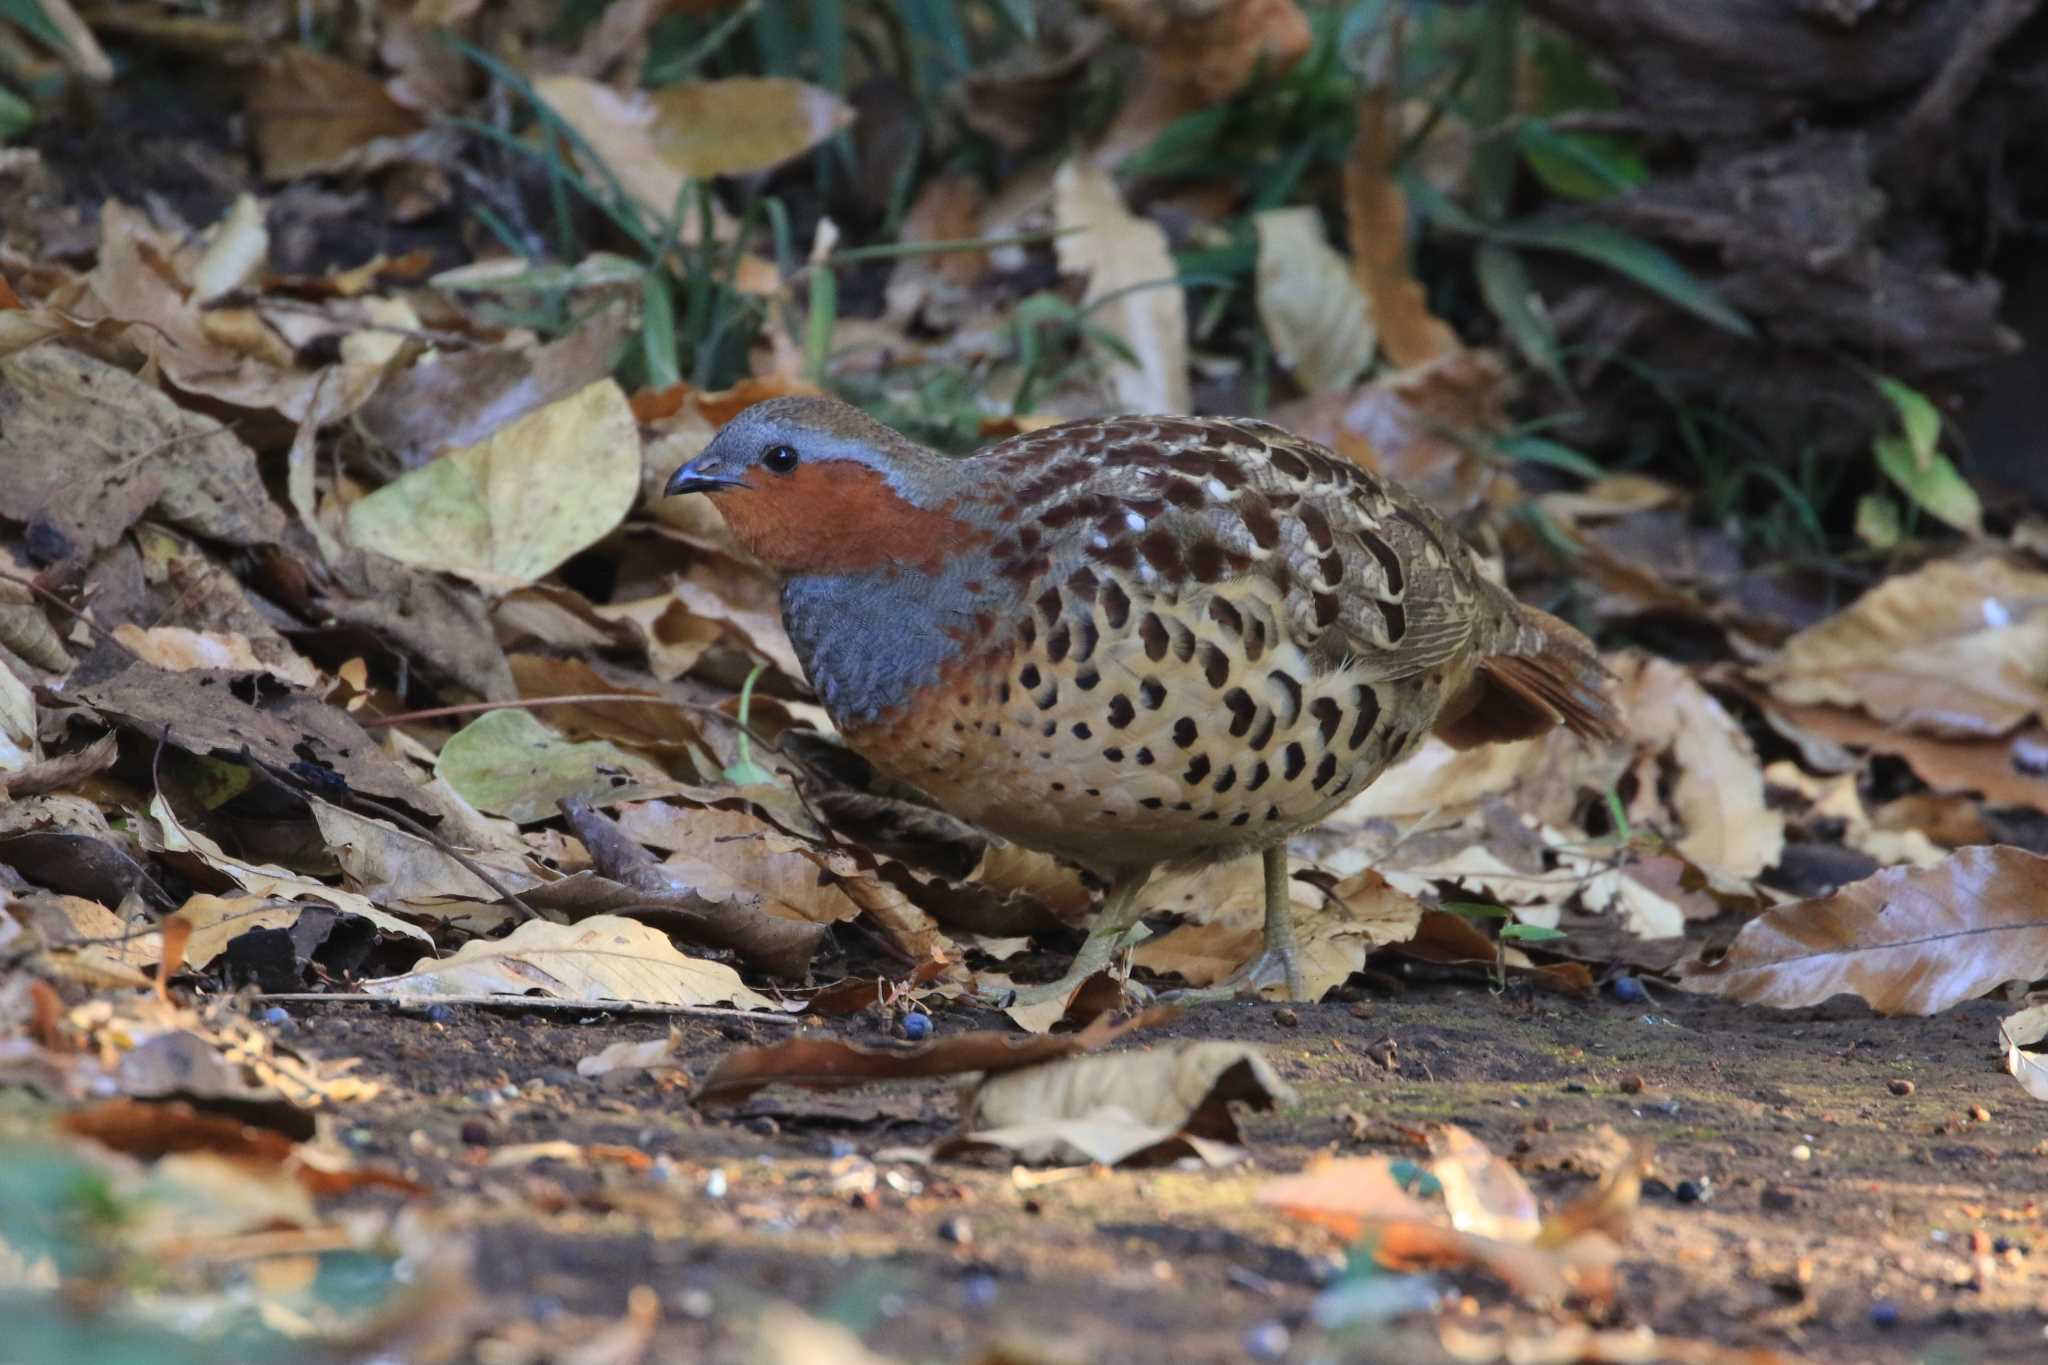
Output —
<point x="440" y="1014"/>
<point x="763" y="1126"/>
<point x="1267" y="1340"/>
<point x="1899" y="1085"/>
<point x="917" y="1027"/>
<point x="1693" y="1191"/>
<point x="1802" y="1152"/>
<point x="1631" y="1084"/>
<point x="277" y="1016"/>
<point x="1286" y="1018"/>
<point x="1574" y="1088"/>
<point x="476" y="1133"/>
<point x="1979" y="1114"/>
<point x="715" y="1185"/>
<point x="958" y="1231"/>
<point x="1628" y="990"/>
<point x="1884" y="1315"/>
<point x="838" y="1147"/>
<point x="1361" y="1011"/>
<point x="980" y="1291"/>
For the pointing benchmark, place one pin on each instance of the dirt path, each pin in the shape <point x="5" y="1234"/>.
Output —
<point x="1801" y="1203"/>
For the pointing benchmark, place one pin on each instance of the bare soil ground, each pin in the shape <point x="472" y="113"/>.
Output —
<point x="1801" y="1203"/>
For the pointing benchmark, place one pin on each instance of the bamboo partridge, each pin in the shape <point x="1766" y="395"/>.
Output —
<point x="1133" y="642"/>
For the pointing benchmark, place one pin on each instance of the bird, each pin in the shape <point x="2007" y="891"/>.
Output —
<point x="1137" y="642"/>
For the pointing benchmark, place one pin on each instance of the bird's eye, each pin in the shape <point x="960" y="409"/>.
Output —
<point x="779" y="459"/>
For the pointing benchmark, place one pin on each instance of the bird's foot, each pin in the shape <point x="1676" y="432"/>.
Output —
<point x="1273" y="967"/>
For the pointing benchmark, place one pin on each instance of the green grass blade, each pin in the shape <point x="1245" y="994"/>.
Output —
<point x="658" y="331"/>
<point x="1504" y="284"/>
<point x="1632" y="257"/>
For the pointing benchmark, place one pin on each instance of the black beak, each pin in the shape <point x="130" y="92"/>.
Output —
<point x="689" y="479"/>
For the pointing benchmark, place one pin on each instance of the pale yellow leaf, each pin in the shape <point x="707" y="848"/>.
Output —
<point x="605" y="957"/>
<point x="515" y="505"/>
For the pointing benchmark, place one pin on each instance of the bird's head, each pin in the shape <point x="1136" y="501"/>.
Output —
<point x="814" y="485"/>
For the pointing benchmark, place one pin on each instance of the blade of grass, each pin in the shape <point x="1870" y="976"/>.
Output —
<point x="1632" y="257"/>
<point x="1504" y="284"/>
<point x="685" y="66"/>
<point x="658" y="331"/>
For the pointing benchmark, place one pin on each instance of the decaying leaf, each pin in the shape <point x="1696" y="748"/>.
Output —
<point x="76" y="432"/>
<point x="1907" y="940"/>
<point x="1717" y="791"/>
<point x="1376" y="213"/>
<point x="512" y="507"/>
<point x="1487" y="1218"/>
<point x="1125" y="1106"/>
<point x="266" y="880"/>
<point x="601" y="958"/>
<point x="1319" y="321"/>
<point x="1958" y="648"/>
<point x="1131" y="274"/>
<point x="742" y="124"/>
<point x="312" y="114"/>
<point x="829" y="1064"/>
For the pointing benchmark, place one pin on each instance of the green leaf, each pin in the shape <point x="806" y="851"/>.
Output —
<point x="658" y="331"/>
<point x="1917" y="414"/>
<point x="16" y="114"/>
<point x="1504" y="283"/>
<point x="1934" y="487"/>
<point x="1878" y="523"/>
<point x="1474" y="910"/>
<point x="1542" y="450"/>
<point x="507" y="763"/>
<point x="1579" y="165"/>
<point x="1531" y="933"/>
<point x="1630" y="256"/>
<point x="30" y="16"/>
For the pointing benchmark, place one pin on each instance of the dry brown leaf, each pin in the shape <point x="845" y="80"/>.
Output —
<point x="1376" y="211"/>
<point x="264" y="879"/>
<point x="733" y="855"/>
<point x="1197" y="53"/>
<point x="1717" y="790"/>
<point x="313" y="114"/>
<point x="216" y="921"/>
<point x="741" y="125"/>
<point x="1907" y="940"/>
<point x="1124" y="1107"/>
<point x="179" y="649"/>
<point x="1319" y="321"/>
<point x="2002" y="769"/>
<point x="138" y="280"/>
<point x="620" y="129"/>
<point x="1958" y="648"/>
<point x="89" y="943"/>
<point x="830" y="1064"/>
<point x="1132" y="274"/>
<point x="90" y="449"/>
<point x="2021" y="1035"/>
<point x="604" y="957"/>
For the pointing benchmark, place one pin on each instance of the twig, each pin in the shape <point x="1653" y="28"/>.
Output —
<point x="527" y="1002"/>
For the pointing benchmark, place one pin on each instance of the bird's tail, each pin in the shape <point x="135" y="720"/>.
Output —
<point x="1545" y="674"/>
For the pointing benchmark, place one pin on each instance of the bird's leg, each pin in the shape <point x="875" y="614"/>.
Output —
<point x="1280" y="944"/>
<point x="1279" y="951"/>
<point x="1113" y="923"/>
